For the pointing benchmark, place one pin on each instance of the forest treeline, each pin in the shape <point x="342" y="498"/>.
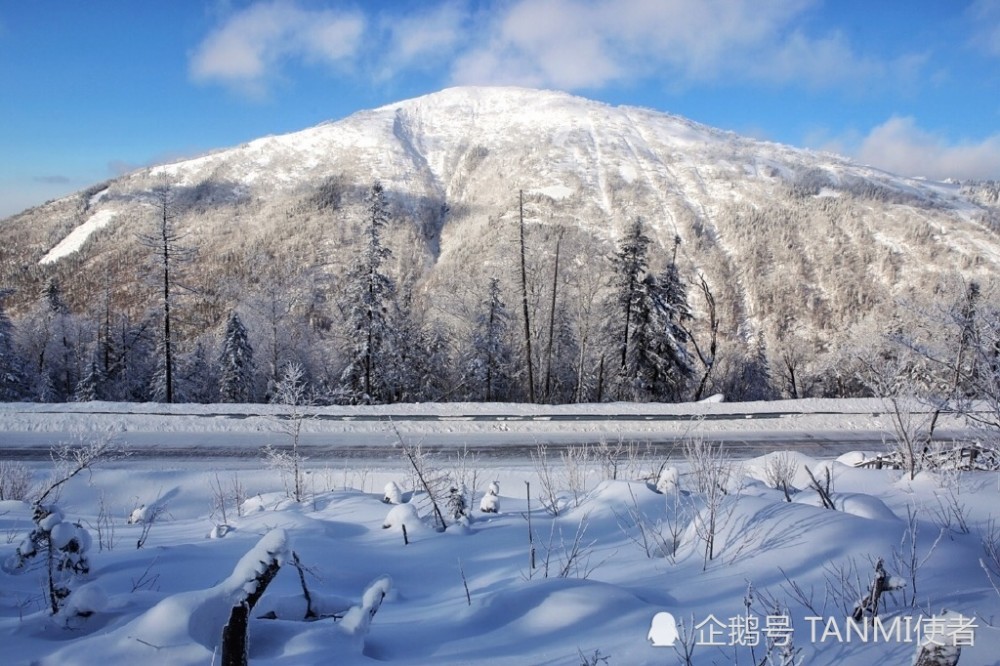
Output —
<point x="635" y="325"/>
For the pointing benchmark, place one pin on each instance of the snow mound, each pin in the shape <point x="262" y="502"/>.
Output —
<point x="855" y="504"/>
<point x="402" y="515"/>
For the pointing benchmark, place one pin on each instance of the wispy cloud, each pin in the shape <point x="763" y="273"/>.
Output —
<point x="567" y="44"/>
<point x="899" y="145"/>
<point x="985" y="17"/>
<point x="424" y="39"/>
<point x="249" y="49"/>
<point x="53" y="180"/>
<point x="593" y="43"/>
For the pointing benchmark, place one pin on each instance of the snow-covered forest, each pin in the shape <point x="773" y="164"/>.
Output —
<point x="628" y="326"/>
<point x="504" y="245"/>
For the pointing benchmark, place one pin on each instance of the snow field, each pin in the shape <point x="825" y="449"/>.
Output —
<point x="166" y="603"/>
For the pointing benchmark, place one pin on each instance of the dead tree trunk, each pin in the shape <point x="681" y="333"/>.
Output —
<point x="234" y="634"/>
<point x="552" y="320"/>
<point x="869" y="604"/>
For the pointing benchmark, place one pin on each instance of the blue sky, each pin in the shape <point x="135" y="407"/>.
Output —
<point x="93" y="89"/>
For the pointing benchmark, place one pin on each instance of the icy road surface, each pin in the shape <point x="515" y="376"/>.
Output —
<point x="822" y="428"/>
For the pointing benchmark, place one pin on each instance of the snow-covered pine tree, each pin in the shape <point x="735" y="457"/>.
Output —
<point x="756" y="374"/>
<point x="422" y="356"/>
<point x="132" y="367"/>
<point x="489" y="367"/>
<point x="198" y="378"/>
<point x="11" y="372"/>
<point x="236" y="366"/>
<point x="647" y="316"/>
<point x="367" y="302"/>
<point x="434" y="367"/>
<point x="161" y="384"/>
<point x="630" y="265"/>
<point x="662" y="362"/>
<point x="91" y="386"/>
<point x="561" y="370"/>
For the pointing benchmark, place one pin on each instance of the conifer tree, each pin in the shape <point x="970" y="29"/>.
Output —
<point x="236" y="365"/>
<point x="488" y="373"/>
<point x="368" y="300"/>
<point x="647" y="316"/>
<point x="11" y="372"/>
<point x="91" y="385"/>
<point x="198" y="377"/>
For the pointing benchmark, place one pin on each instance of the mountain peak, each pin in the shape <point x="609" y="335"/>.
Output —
<point x="791" y="242"/>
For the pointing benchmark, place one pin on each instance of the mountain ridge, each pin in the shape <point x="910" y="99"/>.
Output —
<point x="797" y="246"/>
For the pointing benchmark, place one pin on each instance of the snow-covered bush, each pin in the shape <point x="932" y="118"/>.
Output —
<point x="491" y="500"/>
<point x="85" y="601"/>
<point x="458" y="509"/>
<point x="358" y="618"/>
<point x="63" y="544"/>
<point x="402" y="515"/>
<point x="392" y="494"/>
<point x="668" y="482"/>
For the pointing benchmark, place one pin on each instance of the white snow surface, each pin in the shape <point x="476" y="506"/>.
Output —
<point x="166" y="602"/>
<point x="148" y="426"/>
<point x="76" y="238"/>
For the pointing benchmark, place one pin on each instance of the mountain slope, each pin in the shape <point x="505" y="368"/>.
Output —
<point x="792" y="243"/>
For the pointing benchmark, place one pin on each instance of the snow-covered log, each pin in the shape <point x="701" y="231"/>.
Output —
<point x="358" y="618"/>
<point x="253" y="573"/>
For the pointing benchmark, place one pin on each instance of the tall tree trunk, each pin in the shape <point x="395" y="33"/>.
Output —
<point x="552" y="320"/>
<point x="168" y="356"/>
<point x="524" y="303"/>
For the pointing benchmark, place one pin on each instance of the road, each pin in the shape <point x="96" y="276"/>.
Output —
<point x="204" y="433"/>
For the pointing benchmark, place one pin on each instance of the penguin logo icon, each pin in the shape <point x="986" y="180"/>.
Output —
<point x="663" y="630"/>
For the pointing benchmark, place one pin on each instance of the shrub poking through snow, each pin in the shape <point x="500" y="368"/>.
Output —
<point x="458" y="509"/>
<point x="15" y="481"/>
<point x="65" y="546"/>
<point x="491" y="500"/>
<point x="882" y="582"/>
<point x="146" y="516"/>
<point x="358" y="619"/>
<point x="668" y="481"/>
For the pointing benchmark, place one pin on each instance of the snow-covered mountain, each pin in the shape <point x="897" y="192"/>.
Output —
<point x="789" y="241"/>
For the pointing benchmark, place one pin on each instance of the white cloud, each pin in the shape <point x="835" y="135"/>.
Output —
<point x="900" y="146"/>
<point x="433" y="33"/>
<point x="541" y="43"/>
<point x="248" y="50"/>
<point x="424" y="40"/>
<point x="985" y="16"/>
<point x="592" y="43"/>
